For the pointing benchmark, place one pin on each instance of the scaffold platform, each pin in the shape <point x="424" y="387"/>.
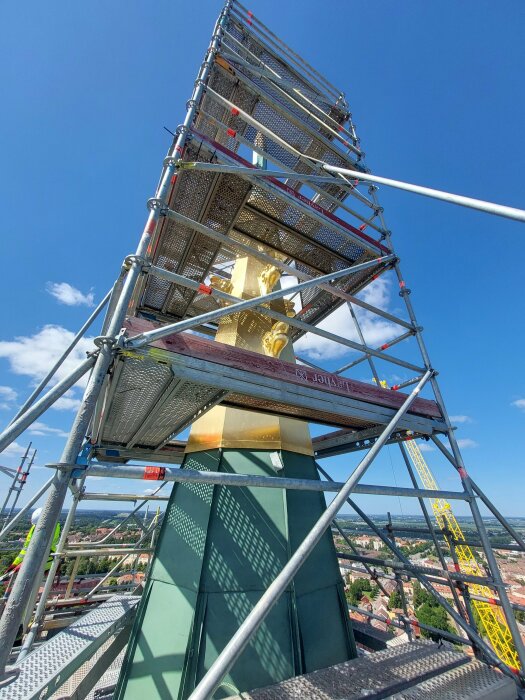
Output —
<point x="154" y="394"/>
<point x="41" y="674"/>
<point x="414" y="670"/>
<point x="255" y="102"/>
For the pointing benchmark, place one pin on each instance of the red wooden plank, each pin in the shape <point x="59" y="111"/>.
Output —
<point x="202" y="348"/>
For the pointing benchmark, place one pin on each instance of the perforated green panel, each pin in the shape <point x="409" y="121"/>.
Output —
<point x="219" y="549"/>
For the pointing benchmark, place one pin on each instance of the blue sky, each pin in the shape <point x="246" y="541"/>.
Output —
<point x="435" y="89"/>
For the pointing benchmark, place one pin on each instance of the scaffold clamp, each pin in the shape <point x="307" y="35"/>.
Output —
<point x="154" y="473"/>
<point x="155" y="204"/>
<point x="64" y="466"/>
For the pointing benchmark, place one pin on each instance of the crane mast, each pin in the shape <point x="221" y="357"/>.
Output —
<point x="490" y="614"/>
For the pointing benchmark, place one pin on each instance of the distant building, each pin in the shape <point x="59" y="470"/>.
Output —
<point x="362" y="540"/>
<point x="129" y="579"/>
<point x="103" y="531"/>
<point x="365" y="603"/>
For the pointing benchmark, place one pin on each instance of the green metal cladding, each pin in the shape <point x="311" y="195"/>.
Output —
<point x="218" y="551"/>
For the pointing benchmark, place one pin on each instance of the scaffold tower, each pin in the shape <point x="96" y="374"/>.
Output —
<point x="265" y="221"/>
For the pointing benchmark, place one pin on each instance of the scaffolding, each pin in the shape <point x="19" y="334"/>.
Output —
<point x="19" y="481"/>
<point x="267" y="164"/>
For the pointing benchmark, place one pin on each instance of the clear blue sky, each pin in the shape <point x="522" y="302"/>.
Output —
<point x="436" y="90"/>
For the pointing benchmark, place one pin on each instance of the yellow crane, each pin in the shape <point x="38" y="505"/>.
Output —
<point x="491" y="615"/>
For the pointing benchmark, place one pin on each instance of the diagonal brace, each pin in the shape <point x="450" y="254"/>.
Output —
<point x="150" y="336"/>
<point x="240" y="639"/>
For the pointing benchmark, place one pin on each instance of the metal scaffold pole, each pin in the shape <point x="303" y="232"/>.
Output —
<point x="262" y="227"/>
<point x="8" y="527"/>
<point x="17" y="479"/>
<point x="469" y="202"/>
<point x="255" y="618"/>
<point x="459" y="465"/>
<point x="34" y="561"/>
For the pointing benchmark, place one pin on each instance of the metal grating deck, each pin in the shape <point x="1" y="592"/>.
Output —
<point x="153" y="394"/>
<point x="372" y="676"/>
<point x="473" y="681"/>
<point x="255" y="101"/>
<point x="43" y="671"/>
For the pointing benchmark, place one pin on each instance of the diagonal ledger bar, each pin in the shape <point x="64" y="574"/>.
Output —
<point x="145" y="338"/>
<point x="291" y="321"/>
<point x="478" y="641"/>
<point x="383" y="346"/>
<point x="307" y="328"/>
<point x="255" y="618"/>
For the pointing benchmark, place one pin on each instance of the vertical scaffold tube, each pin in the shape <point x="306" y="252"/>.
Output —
<point x="38" y="550"/>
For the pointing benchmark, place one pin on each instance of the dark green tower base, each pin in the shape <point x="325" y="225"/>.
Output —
<point x="218" y="550"/>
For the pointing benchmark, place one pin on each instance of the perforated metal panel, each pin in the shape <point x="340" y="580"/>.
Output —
<point x="372" y="676"/>
<point x="139" y="386"/>
<point x="44" y="670"/>
<point x="149" y="403"/>
<point x="474" y="681"/>
<point x="308" y="120"/>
